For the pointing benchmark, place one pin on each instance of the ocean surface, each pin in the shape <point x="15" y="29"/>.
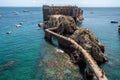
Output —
<point x="23" y="49"/>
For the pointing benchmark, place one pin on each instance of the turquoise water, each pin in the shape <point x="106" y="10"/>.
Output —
<point x="26" y="45"/>
<point x="23" y="46"/>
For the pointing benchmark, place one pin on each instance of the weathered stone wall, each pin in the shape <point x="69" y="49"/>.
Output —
<point x="73" y="11"/>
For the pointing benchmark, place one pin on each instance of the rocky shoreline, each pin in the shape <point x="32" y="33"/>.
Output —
<point x="66" y="26"/>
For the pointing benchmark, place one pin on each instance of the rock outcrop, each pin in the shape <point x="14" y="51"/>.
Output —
<point x="66" y="26"/>
<point x="84" y="37"/>
<point x="89" y="42"/>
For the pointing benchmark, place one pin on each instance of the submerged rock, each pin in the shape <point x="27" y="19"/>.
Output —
<point x="49" y="73"/>
<point x="7" y="65"/>
<point x="59" y="67"/>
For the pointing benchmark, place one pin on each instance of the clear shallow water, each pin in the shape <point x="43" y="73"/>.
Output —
<point x="22" y="46"/>
<point x="26" y="45"/>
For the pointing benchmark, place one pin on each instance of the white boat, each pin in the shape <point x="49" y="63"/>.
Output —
<point x="114" y="21"/>
<point x="25" y="11"/>
<point x="59" y="50"/>
<point x="15" y="12"/>
<point x="21" y="23"/>
<point x="18" y="25"/>
<point x="9" y="32"/>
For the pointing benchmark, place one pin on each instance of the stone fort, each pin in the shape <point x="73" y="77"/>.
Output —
<point x="73" y="11"/>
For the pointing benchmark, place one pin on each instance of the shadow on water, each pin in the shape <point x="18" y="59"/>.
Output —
<point x="54" y="42"/>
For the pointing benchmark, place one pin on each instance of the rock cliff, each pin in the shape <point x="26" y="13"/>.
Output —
<point x="89" y="42"/>
<point x="84" y="37"/>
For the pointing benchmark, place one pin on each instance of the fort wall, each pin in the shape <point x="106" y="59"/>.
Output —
<point x="73" y="11"/>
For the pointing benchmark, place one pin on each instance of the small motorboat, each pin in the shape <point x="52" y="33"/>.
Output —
<point x="18" y="25"/>
<point x="9" y="32"/>
<point x="15" y="12"/>
<point x="25" y="11"/>
<point x="114" y="21"/>
<point x="21" y="23"/>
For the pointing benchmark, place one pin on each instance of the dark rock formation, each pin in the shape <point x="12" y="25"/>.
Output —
<point x="114" y="21"/>
<point x="75" y="12"/>
<point x="89" y="42"/>
<point x="101" y="47"/>
<point x="66" y="26"/>
<point x="57" y="20"/>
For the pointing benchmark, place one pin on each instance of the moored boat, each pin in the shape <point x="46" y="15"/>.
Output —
<point x="25" y="11"/>
<point x="9" y="32"/>
<point x="15" y="12"/>
<point x="114" y="21"/>
<point x="18" y="25"/>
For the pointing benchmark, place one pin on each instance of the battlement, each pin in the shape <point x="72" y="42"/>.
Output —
<point x="73" y="11"/>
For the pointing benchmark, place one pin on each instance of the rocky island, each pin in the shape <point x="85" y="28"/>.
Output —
<point x="80" y="44"/>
